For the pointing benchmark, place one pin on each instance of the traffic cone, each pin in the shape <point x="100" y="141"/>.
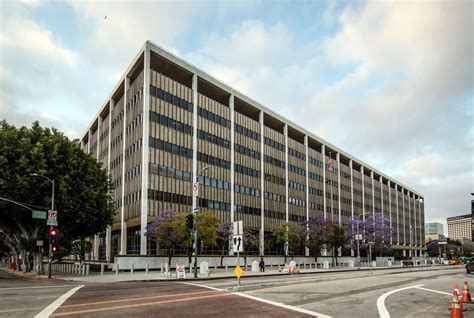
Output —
<point x="466" y="295"/>
<point x="456" y="305"/>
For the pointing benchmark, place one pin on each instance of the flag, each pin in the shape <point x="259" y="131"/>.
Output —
<point x="330" y="165"/>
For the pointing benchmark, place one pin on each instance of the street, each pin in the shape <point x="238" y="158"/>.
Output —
<point x="398" y="293"/>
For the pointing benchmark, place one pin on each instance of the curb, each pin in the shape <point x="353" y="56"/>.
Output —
<point x="191" y="279"/>
<point x="29" y="276"/>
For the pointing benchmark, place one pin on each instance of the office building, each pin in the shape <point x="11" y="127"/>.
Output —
<point x="433" y="228"/>
<point x="166" y="120"/>
<point x="459" y="227"/>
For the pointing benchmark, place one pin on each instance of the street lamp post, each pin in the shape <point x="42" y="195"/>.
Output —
<point x="50" y="249"/>
<point x="195" y="193"/>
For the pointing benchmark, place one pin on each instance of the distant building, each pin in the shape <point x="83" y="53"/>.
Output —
<point x="460" y="227"/>
<point x="434" y="237"/>
<point x="434" y="228"/>
<point x="472" y="218"/>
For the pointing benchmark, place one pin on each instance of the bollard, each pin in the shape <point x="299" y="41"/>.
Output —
<point x="215" y="268"/>
<point x="161" y="268"/>
<point x="271" y="266"/>
<point x="83" y="269"/>
<point x="226" y="268"/>
<point x="102" y="269"/>
<point x="132" y="269"/>
<point x="116" y="269"/>
<point x="87" y="269"/>
<point x="146" y="268"/>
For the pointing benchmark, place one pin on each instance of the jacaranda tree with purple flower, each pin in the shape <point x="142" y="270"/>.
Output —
<point x="318" y="228"/>
<point x="224" y="235"/>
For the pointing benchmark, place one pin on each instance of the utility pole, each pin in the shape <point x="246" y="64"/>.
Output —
<point x="195" y="211"/>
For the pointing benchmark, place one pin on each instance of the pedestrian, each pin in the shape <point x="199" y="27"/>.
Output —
<point x="262" y="265"/>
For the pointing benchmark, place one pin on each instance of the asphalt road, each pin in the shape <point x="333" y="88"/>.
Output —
<point x="26" y="298"/>
<point x="419" y="294"/>
<point x="358" y="296"/>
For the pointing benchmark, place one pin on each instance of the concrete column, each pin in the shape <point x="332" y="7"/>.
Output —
<point x="415" y="241"/>
<point x="89" y="141"/>
<point x="123" y="226"/>
<point x="398" y="218"/>
<point x="96" y="247"/>
<point x="123" y="238"/>
<point x="195" y="124"/>
<point x="352" y="189"/>
<point x="381" y="194"/>
<point x="108" y="243"/>
<point x="262" y="185"/>
<point x="404" y="221"/>
<point x="373" y="193"/>
<point x="422" y="223"/>
<point x="339" y="185"/>
<point x="306" y="250"/>
<point x="390" y="207"/>
<point x="363" y="192"/>
<point x="232" y="166"/>
<point x="323" y="152"/>
<point x="145" y="149"/>
<point x="285" y="132"/>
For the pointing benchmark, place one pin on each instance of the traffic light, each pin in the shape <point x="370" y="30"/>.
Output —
<point x="189" y="221"/>
<point x="53" y="234"/>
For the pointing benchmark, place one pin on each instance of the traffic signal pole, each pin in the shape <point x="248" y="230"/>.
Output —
<point x="50" y="250"/>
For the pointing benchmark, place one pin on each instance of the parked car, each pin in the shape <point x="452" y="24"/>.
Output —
<point x="407" y="262"/>
<point x="470" y="267"/>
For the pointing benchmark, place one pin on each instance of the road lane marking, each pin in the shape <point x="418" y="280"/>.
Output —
<point x="204" y="286"/>
<point x="293" y="308"/>
<point x="18" y="310"/>
<point x="135" y="305"/>
<point x="434" y="291"/>
<point x="38" y="287"/>
<point x="132" y="299"/>
<point x="58" y="302"/>
<point x="383" y="312"/>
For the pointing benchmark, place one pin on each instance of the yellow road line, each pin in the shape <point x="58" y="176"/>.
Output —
<point x="18" y="310"/>
<point x="133" y="299"/>
<point x="135" y="305"/>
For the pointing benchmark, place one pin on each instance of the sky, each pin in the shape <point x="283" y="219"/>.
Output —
<point x="389" y="82"/>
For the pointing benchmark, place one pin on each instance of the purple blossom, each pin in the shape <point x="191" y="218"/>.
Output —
<point x="163" y="216"/>
<point x="225" y="230"/>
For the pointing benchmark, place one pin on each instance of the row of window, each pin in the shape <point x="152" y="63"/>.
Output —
<point x="204" y="135"/>
<point x="133" y="100"/>
<point x="297" y="170"/>
<point x="315" y="191"/>
<point x="247" y="151"/>
<point x="104" y="134"/>
<point x="133" y="148"/>
<point x="316" y="206"/>
<point x="297" y="202"/>
<point x="170" y="98"/>
<point x="274" y="197"/>
<point x="247" y="132"/>
<point x="213" y="160"/>
<point x="296" y="186"/>
<point x="274" y="161"/>
<point x="275" y="215"/>
<point x="296" y="153"/>
<point x="117" y="182"/>
<point x="213" y="117"/>
<point x="117" y="140"/>
<point x="275" y="179"/>
<point x="247" y="190"/>
<point x="315" y="162"/>
<point x="171" y="148"/>
<point x="315" y="176"/>
<point x="117" y="119"/>
<point x="134" y="172"/>
<point x="246" y="170"/>
<point x="215" y="183"/>
<point x="171" y="123"/>
<point x="296" y="218"/>
<point x="169" y="172"/>
<point x="133" y="197"/>
<point x="116" y="162"/>
<point x="274" y="144"/>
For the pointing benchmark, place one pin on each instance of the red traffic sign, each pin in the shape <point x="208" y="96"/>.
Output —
<point x="196" y="188"/>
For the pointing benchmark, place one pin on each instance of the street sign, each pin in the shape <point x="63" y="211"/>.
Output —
<point x="38" y="215"/>
<point x="52" y="218"/>
<point x="238" y="271"/>
<point x="442" y="243"/>
<point x="39" y="243"/>
<point x="195" y="210"/>
<point x="238" y="244"/>
<point x="238" y="228"/>
<point x="196" y="188"/>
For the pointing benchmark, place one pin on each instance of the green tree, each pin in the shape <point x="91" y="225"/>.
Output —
<point x="336" y="238"/>
<point x="207" y="229"/>
<point x="290" y="234"/>
<point x="82" y="187"/>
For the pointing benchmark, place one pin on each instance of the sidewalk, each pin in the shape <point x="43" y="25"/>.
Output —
<point x="111" y="277"/>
